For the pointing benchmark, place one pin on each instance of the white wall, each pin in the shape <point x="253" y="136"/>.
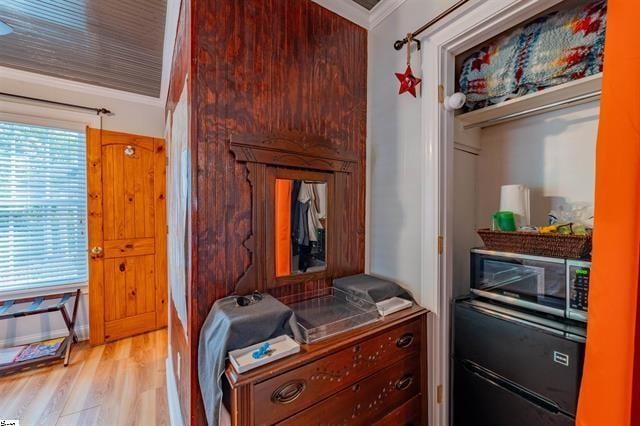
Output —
<point x="395" y="156"/>
<point x="25" y="330"/>
<point x="131" y="114"/>
<point x="553" y="154"/>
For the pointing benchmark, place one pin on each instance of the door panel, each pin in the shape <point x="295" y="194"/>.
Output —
<point x="126" y="180"/>
<point x="130" y="326"/>
<point x="129" y="284"/>
<point x="128" y="202"/>
<point x="137" y="246"/>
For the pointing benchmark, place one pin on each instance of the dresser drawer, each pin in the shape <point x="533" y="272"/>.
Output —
<point x="368" y="400"/>
<point x="291" y="392"/>
<point x="408" y="414"/>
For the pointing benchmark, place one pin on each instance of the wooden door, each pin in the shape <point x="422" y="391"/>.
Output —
<point x="127" y="234"/>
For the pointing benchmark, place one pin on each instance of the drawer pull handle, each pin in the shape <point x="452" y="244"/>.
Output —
<point x="404" y="340"/>
<point x="405" y="382"/>
<point x="288" y="392"/>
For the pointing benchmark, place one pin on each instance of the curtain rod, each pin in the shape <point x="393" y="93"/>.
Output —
<point x="98" y="111"/>
<point x="399" y="43"/>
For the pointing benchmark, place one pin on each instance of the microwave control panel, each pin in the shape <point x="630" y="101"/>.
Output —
<point x="578" y="280"/>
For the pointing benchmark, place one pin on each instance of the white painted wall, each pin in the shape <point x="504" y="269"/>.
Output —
<point x="394" y="153"/>
<point x="553" y="154"/>
<point x="26" y="330"/>
<point x="131" y="114"/>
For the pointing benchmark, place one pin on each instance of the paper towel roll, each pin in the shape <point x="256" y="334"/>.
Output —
<point x="516" y="199"/>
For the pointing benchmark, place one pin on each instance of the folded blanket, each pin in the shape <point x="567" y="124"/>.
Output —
<point x="229" y="327"/>
<point x="370" y="288"/>
<point x="551" y="50"/>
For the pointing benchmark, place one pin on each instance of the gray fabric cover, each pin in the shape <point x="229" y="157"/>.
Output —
<point x="229" y="327"/>
<point x="370" y="288"/>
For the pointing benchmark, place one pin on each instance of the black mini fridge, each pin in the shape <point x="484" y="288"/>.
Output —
<point x="511" y="368"/>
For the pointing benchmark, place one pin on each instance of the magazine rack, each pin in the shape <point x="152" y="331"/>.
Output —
<point x="41" y="305"/>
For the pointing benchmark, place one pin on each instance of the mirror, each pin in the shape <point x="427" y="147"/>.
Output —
<point x="300" y="227"/>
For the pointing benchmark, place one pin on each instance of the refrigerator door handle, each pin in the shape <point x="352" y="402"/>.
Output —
<point x="511" y="387"/>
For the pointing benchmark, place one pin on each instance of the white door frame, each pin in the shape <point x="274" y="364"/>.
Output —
<point x="475" y="23"/>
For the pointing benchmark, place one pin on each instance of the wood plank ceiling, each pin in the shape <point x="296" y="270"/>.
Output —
<point x="367" y="4"/>
<point x="110" y="43"/>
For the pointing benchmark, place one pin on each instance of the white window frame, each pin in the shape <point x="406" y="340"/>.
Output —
<point x="32" y="113"/>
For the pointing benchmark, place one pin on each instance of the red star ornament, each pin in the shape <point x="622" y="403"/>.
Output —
<point x="408" y="81"/>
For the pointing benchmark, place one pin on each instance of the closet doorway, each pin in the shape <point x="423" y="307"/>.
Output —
<point x="462" y="30"/>
<point x="127" y="234"/>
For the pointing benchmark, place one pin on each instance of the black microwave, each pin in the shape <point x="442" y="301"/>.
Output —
<point x="551" y="285"/>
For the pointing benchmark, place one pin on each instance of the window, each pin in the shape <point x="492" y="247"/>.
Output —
<point x="43" y="230"/>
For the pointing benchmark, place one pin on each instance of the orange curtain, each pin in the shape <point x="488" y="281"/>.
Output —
<point x="283" y="227"/>
<point x="611" y="381"/>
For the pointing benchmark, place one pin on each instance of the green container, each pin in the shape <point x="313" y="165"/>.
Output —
<point x="503" y="221"/>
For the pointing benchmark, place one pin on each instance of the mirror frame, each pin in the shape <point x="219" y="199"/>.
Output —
<point x="290" y="154"/>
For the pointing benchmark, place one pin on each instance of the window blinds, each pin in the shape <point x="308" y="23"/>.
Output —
<point x="43" y="230"/>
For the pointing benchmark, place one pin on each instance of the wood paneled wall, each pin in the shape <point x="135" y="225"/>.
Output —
<point x="260" y="66"/>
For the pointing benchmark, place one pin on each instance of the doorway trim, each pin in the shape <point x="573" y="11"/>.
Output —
<point x="462" y="30"/>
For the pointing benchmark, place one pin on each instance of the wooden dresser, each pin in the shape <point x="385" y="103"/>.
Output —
<point x="376" y="374"/>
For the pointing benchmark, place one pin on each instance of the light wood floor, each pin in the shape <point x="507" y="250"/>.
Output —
<point x="121" y="383"/>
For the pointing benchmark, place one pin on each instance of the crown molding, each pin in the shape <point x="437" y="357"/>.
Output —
<point x="381" y="10"/>
<point x="348" y="9"/>
<point x="75" y="86"/>
<point x="367" y="19"/>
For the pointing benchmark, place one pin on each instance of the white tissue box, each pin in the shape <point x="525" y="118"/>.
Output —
<point x="394" y="304"/>
<point x="242" y="359"/>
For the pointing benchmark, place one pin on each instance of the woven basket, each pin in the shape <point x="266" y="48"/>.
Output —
<point x="552" y="245"/>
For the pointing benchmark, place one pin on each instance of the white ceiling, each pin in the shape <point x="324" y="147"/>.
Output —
<point x="109" y="43"/>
